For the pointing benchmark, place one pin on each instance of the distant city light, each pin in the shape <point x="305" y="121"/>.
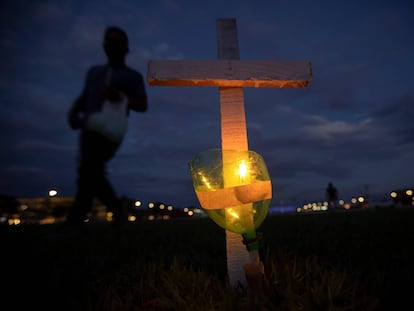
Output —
<point x="403" y="196"/>
<point x="162" y="211"/>
<point x="14" y="221"/>
<point x="109" y="216"/>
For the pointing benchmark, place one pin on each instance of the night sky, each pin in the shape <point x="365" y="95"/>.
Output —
<point x="353" y="125"/>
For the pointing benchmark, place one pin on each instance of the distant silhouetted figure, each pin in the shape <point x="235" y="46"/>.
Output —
<point x="114" y="84"/>
<point x="331" y="195"/>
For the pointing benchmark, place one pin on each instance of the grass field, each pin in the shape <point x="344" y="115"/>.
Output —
<point x="328" y="261"/>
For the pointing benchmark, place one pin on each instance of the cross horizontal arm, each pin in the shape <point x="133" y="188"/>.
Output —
<point x="229" y="73"/>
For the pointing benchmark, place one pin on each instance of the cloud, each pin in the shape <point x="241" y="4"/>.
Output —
<point x="321" y="129"/>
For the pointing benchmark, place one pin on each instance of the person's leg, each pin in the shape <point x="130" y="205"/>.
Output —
<point x="89" y="166"/>
<point x="104" y="190"/>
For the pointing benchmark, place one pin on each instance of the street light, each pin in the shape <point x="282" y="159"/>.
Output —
<point x="52" y="193"/>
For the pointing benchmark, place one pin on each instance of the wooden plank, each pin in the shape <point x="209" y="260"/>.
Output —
<point x="229" y="73"/>
<point x="233" y="137"/>
<point x="233" y="119"/>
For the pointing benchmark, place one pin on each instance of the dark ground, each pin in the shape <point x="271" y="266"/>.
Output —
<point x="374" y="246"/>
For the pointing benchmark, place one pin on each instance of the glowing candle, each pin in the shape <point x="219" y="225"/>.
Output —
<point x="233" y="187"/>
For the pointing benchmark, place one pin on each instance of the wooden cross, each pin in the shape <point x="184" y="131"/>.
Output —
<point x="230" y="75"/>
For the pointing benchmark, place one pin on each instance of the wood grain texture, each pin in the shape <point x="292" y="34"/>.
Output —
<point x="229" y="73"/>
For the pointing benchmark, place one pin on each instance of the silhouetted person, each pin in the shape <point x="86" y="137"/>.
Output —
<point x="331" y="195"/>
<point x="114" y="81"/>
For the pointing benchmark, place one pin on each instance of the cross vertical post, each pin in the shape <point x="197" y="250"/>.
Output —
<point x="233" y="137"/>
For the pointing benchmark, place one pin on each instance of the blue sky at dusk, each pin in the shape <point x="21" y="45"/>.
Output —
<point x="353" y="125"/>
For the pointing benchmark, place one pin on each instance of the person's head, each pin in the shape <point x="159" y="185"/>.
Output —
<point x="115" y="45"/>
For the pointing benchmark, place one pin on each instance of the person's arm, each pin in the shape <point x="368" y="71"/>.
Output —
<point x="74" y="118"/>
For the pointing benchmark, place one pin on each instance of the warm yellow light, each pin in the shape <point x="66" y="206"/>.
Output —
<point x="170" y="208"/>
<point x="393" y="194"/>
<point x="205" y="181"/>
<point x="409" y="192"/>
<point x="242" y="169"/>
<point x="151" y="205"/>
<point x="137" y="203"/>
<point x="14" y="221"/>
<point x="109" y="216"/>
<point x="52" y="193"/>
<point x="361" y="199"/>
<point x="233" y="186"/>
<point x="233" y="213"/>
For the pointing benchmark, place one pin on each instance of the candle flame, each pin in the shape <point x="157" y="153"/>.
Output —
<point x="242" y="169"/>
